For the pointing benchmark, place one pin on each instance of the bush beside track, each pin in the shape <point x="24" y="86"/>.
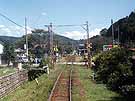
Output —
<point x="115" y="69"/>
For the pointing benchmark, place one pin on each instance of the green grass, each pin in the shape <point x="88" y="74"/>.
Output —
<point x="96" y="92"/>
<point x="77" y="89"/>
<point x="30" y="91"/>
<point x="76" y="96"/>
<point x="5" y="71"/>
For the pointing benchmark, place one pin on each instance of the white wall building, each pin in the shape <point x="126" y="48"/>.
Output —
<point x="1" y="52"/>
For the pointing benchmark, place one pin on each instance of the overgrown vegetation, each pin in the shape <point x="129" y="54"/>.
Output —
<point x="8" y="39"/>
<point x="36" y="71"/>
<point x="127" y="30"/>
<point x="32" y="74"/>
<point x="45" y="62"/>
<point x="94" y="91"/>
<point x="115" y="69"/>
<point x="30" y="91"/>
<point x="9" y="53"/>
<point x="39" y="43"/>
<point x="6" y="70"/>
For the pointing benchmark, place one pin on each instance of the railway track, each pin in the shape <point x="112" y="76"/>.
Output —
<point x="62" y="89"/>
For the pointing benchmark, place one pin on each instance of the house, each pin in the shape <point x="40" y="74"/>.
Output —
<point x="82" y="49"/>
<point x="1" y="52"/>
<point x="3" y="60"/>
<point x="21" y="56"/>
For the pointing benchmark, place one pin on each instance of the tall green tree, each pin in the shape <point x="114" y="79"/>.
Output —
<point x="9" y="52"/>
<point x="103" y="32"/>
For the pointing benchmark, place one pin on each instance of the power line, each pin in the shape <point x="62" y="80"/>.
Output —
<point x="86" y="28"/>
<point x="10" y="20"/>
<point x="65" y="25"/>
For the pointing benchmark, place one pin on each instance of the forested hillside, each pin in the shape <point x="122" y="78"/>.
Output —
<point x="126" y="27"/>
<point x="9" y="39"/>
<point x="39" y="41"/>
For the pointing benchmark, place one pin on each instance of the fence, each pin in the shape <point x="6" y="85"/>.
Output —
<point x="9" y="82"/>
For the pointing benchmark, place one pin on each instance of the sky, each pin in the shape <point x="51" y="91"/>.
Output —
<point x="41" y="12"/>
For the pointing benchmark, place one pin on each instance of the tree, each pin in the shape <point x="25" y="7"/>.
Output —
<point x="114" y="68"/>
<point x="126" y="29"/>
<point x="39" y="31"/>
<point x="9" y="52"/>
<point x="103" y="32"/>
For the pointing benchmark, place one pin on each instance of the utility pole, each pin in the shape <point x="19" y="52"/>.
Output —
<point x="86" y="28"/>
<point x="112" y="32"/>
<point x="88" y="45"/>
<point x="72" y="44"/>
<point x="118" y="35"/>
<point x="26" y="40"/>
<point x="51" y="43"/>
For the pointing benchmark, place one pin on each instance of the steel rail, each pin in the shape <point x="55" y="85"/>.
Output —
<point x="54" y="86"/>
<point x="70" y="86"/>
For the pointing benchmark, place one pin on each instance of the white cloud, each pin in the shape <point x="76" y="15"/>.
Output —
<point x="74" y="35"/>
<point x="79" y="35"/>
<point x="13" y="31"/>
<point x="18" y="32"/>
<point x="95" y="32"/>
<point x="1" y="26"/>
<point x="44" y="13"/>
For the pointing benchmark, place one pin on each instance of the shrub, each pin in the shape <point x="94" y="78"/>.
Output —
<point x="128" y="90"/>
<point x="32" y="74"/>
<point x="26" y="66"/>
<point x="44" y="62"/>
<point x="114" y="69"/>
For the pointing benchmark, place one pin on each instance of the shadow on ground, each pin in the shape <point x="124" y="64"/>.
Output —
<point x="119" y="99"/>
<point x="32" y="74"/>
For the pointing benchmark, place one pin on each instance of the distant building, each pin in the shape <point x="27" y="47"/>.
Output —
<point x="1" y="52"/>
<point x="3" y="61"/>
<point x="1" y="49"/>
<point x="82" y="49"/>
<point x="21" y="56"/>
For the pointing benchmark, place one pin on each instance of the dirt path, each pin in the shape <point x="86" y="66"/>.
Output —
<point x="78" y="92"/>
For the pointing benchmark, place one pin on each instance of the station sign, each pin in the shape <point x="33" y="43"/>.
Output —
<point x="108" y="47"/>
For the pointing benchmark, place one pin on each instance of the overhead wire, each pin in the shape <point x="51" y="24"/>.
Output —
<point x="65" y="25"/>
<point x="7" y="18"/>
<point x="10" y="20"/>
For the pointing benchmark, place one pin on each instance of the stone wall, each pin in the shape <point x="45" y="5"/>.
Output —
<point x="10" y="82"/>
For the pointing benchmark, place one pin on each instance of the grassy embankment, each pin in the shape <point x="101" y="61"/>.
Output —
<point x="5" y="71"/>
<point x="30" y="91"/>
<point x="93" y="91"/>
